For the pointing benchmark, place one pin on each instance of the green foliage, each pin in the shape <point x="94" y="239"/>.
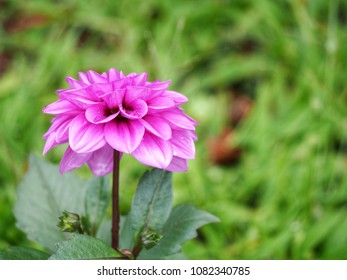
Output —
<point x="97" y="201"/>
<point x="84" y="247"/>
<point x="152" y="201"/>
<point x="180" y="227"/>
<point x="42" y="196"/>
<point x="286" y="199"/>
<point x="22" y="253"/>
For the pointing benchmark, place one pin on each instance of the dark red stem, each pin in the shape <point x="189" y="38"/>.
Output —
<point x="115" y="201"/>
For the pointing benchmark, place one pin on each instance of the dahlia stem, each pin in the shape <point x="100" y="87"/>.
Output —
<point x="115" y="201"/>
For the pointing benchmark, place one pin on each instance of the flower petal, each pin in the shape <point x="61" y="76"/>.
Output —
<point x="75" y="83"/>
<point x="72" y="160"/>
<point x="177" y="165"/>
<point x="114" y="99"/>
<point x="85" y="137"/>
<point x="124" y="135"/>
<point x="99" y="114"/>
<point x="154" y="151"/>
<point x="158" y="126"/>
<point x="140" y="79"/>
<point x="178" y="118"/>
<point x="60" y="107"/>
<point x="94" y="77"/>
<point x="134" y="93"/>
<point x="182" y="144"/>
<point x="101" y="161"/>
<point x="113" y="75"/>
<point x="177" y="97"/>
<point x="135" y="110"/>
<point x="160" y="103"/>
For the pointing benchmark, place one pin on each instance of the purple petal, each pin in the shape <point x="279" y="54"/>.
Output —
<point x="140" y="79"/>
<point x="98" y="90"/>
<point x="75" y="83"/>
<point x="84" y="78"/>
<point x="177" y="165"/>
<point x="85" y="137"/>
<point x="179" y="119"/>
<point x="72" y="160"/>
<point x="182" y="144"/>
<point x="160" y="103"/>
<point x="60" y="107"/>
<point x="113" y="75"/>
<point x="135" y="110"/>
<point x="50" y="143"/>
<point x="154" y="151"/>
<point x="94" y="77"/>
<point x="124" y="135"/>
<point x="114" y="99"/>
<point x="99" y="114"/>
<point x="158" y="126"/>
<point x="101" y="161"/>
<point x="177" y="97"/>
<point x="134" y="93"/>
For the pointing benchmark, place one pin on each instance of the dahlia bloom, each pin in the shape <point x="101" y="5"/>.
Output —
<point x="103" y="112"/>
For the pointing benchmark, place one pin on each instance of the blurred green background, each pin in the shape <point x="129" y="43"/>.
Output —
<point x="285" y="194"/>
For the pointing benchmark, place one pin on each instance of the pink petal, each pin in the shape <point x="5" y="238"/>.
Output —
<point x="99" y="114"/>
<point x="60" y="107"/>
<point x="177" y="165"/>
<point x="113" y="75"/>
<point x="124" y="135"/>
<point x="160" y="103"/>
<point x="182" y="144"/>
<point x="114" y="99"/>
<point x="135" y="110"/>
<point x="158" y="126"/>
<point x="177" y="97"/>
<point x="94" y="77"/>
<point x="179" y="119"/>
<point x="85" y="137"/>
<point x="98" y="90"/>
<point x="72" y="160"/>
<point x="134" y="92"/>
<point x="50" y="143"/>
<point x="75" y="83"/>
<point x="154" y="151"/>
<point x="140" y="79"/>
<point x="83" y="77"/>
<point x="101" y="161"/>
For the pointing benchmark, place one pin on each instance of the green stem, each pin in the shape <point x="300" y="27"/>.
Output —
<point x="115" y="201"/>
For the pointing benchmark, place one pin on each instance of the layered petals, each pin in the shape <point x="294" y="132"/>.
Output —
<point x="100" y="113"/>
<point x="124" y="135"/>
<point x="154" y="151"/>
<point x="85" y="137"/>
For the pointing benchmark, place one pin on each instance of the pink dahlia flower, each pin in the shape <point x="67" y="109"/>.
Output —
<point x="102" y="112"/>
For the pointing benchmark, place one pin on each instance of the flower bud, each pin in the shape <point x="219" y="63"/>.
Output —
<point x="70" y="222"/>
<point x="150" y="238"/>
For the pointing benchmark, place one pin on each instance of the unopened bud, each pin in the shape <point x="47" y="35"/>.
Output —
<point x="150" y="238"/>
<point x="70" y="222"/>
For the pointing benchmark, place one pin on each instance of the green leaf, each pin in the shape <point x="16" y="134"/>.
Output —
<point x="105" y="231"/>
<point x="152" y="201"/>
<point x="21" y="253"/>
<point x="126" y="240"/>
<point x="42" y="196"/>
<point x="97" y="201"/>
<point x="84" y="247"/>
<point x="181" y="226"/>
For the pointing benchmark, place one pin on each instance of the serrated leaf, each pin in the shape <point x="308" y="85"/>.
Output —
<point x="42" y="196"/>
<point x="22" y="253"/>
<point x="84" y="247"/>
<point x="180" y="227"/>
<point x="152" y="201"/>
<point x="97" y="201"/>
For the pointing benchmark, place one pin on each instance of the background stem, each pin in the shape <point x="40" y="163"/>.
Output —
<point x="115" y="201"/>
